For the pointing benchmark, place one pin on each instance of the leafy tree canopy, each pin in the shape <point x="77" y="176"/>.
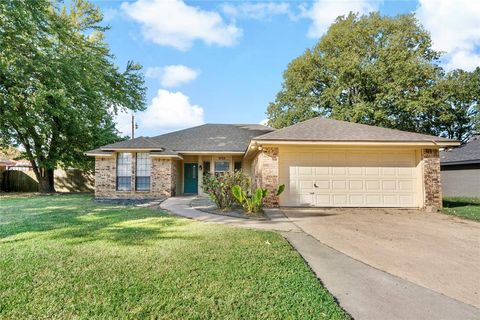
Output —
<point x="59" y="86"/>
<point x="380" y="71"/>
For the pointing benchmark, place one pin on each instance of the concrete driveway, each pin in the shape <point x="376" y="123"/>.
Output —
<point x="433" y="250"/>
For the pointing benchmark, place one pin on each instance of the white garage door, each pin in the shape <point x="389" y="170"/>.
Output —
<point x="349" y="178"/>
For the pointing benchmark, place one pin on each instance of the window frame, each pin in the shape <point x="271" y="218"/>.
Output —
<point x="221" y="171"/>
<point x="143" y="174"/>
<point x="235" y="165"/>
<point x="123" y="172"/>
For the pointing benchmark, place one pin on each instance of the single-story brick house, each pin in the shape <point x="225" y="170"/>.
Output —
<point x="322" y="162"/>
<point x="460" y="169"/>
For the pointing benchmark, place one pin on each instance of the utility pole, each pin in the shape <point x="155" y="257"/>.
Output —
<point x="134" y="126"/>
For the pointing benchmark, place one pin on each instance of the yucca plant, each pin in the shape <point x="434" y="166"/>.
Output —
<point x="252" y="203"/>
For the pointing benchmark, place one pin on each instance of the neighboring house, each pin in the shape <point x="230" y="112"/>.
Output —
<point x="322" y="162"/>
<point x="461" y="169"/>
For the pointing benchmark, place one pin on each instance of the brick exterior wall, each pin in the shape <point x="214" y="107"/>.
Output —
<point x="162" y="179"/>
<point x="431" y="179"/>
<point x="265" y="174"/>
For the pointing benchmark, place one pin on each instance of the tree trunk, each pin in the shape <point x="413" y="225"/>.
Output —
<point x="46" y="182"/>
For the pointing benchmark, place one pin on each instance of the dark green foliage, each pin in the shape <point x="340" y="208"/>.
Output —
<point x="59" y="86"/>
<point x="378" y="71"/>
<point x="253" y="203"/>
<point x="219" y="187"/>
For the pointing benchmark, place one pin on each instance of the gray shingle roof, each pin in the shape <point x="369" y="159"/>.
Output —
<point x="140" y="142"/>
<point x="467" y="153"/>
<point x="323" y="129"/>
<point x="207" y="137"/>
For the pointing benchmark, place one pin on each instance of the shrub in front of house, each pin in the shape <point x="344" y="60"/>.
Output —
<point x="253" y="203"/>
<point x="219" y="187"/>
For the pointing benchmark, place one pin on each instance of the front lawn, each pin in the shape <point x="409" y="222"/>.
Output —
<point x="468" y="208"/>
<point x="66" y="257"/>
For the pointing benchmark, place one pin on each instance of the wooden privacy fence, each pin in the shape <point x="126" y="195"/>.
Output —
<point x="69" y="180"/>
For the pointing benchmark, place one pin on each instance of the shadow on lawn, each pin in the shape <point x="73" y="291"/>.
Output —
<point x="77" y="219"/>
<point x="453" y="203"/>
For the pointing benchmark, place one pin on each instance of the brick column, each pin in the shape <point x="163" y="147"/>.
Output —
<point x="431" y="179"/>
<point x="265" y="174"/>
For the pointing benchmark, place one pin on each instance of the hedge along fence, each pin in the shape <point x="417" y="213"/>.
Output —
<point x="69" y="180"/>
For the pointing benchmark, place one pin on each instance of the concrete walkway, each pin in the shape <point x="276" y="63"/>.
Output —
<point x="368" y="293"/>
<point x="181" y="206"/>
<point x="363" y="291"/>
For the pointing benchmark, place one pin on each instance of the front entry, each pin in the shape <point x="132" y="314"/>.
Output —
<point x="190" y="173"/>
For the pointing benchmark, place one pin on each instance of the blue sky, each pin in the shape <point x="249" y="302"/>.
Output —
<point x="222" y="61"/>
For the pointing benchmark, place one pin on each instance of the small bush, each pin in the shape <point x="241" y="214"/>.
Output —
<point x="219" y="187"/>
<point x="253" y="203"/>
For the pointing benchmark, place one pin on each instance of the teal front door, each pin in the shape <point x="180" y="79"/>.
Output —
<point x="190" y="173"/>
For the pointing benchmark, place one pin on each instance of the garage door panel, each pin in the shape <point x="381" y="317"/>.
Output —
<point x="406" y="200"/>
<point x="356" y="185"/>
<point x="373" y="200"/>
<point x="389" y="185"/>
<point x="322" y="184"/>
<point x="372" y="185"/>
<point x="305" y="171"/>
<point x="343" y="178"/>
<point x="339" y="185"/>
<point x="355" y="171"/>
<point x="306" y="184"/>
<point x="305" y="199"/>
<point x="322" y="171"/>
<point x="406" y="185"/>
<point x="372" y="171"/>
<point x="386" y="171"/>
<point x="405" y="172"/>
<point x="322" y="200"/>
<point x="357" y="200"/>
<point x="339" y="171"/>
<point x="390" y="200"/>
<point x="340" y="200"/>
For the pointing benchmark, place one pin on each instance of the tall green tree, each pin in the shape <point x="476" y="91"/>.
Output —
<point x="59" y="86"/>
<point x="374" y="70"/>
<point x="459" y="115"/>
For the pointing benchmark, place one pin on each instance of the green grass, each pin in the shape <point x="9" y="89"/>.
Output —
<point x="468" y="208"/>
<point x="64" y="256"/>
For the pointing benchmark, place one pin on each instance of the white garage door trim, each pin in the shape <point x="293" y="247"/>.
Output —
<point x="350" y="177"/>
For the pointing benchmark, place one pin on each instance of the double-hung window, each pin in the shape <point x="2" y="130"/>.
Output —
<point x="142" y="178"/>
<point x="221" y="167"/>
<point x="124" y="171"/>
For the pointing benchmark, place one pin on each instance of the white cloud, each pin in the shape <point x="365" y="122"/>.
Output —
<point x="324" y="12"/>
<point x="176" y="24"/>
<point x="170" y="111"/>
<point x="124" y="122"/>
<point x="462" y="59"/>
<point x="172" y="75"/>
<point x="258" y="11"/>
<point x="110" y="14"/>
<point x="455" y="29"/>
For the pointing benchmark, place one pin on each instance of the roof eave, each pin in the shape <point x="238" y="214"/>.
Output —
<point x="431" y="143"/>
<point x="98" y="154"/>
<point x="167" y="156"/>
<point x="132" y="149"/>
<point x="459" y="162"/>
